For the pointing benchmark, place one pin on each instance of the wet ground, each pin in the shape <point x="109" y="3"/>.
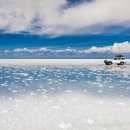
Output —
<point x="67" y="96"/>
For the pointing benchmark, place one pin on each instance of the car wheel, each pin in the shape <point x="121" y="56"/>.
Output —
<point x="122" y="63"/>
<point x="106" y="63"/>
<point x="110" y="63"/>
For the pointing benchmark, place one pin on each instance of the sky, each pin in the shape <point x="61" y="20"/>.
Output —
<point x="60" y="25"/>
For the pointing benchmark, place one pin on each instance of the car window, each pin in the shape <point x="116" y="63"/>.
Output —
<point x="119" y="58"/>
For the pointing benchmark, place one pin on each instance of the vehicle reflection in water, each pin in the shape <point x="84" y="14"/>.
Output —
<point x="118" y="70"/>
<point x="122" y="70"/>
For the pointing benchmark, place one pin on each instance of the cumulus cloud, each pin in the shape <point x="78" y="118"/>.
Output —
<point x="55" y="17"/>
<point x="116" y="48"/>
<point x="93" y="52"/>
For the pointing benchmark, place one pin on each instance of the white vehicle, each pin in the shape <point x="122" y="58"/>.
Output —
<point x="119" y="60"/>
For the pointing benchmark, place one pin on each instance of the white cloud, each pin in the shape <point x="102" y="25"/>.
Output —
<point x="23" y="50"/>
<point x="116" y="48"/>
<point x="54" y="18"/>
<point x="93" y="52"/>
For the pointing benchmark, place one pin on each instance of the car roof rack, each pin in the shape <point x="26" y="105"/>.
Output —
<point x="119" y="56"/>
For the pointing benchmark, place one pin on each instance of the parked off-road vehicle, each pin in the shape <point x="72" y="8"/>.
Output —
<point x="118" y="59"/>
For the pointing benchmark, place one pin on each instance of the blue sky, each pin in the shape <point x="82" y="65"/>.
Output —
<point x="12" y="41"/>
<point x="62" y="24"/>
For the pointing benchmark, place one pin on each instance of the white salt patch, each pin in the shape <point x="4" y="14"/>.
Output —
<point x="5" y="111"/>
<point x="33" y="94"/>
<point x="29" y="79"/>
<point x="85" y="91"/>
<point x="65" y="125"/>
<point x="4" y="85"/>
<point x="90" y="121"/>
<point x="23" y="74"/>
<point x="100" y="102"/>
<point x="56" y="107"/>
<point x="14" y="91"/>
<point x="100" y="91"/>
<point x="121" y="104"/>
<point x="68" y="91"/>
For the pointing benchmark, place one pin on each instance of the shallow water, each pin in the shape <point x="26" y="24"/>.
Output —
<point x="95" y="80"/>
<point x="52" y="97"/>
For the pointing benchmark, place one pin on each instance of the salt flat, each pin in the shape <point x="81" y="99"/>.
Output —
<point x="49" y="61"/>
<point x="53" y="61"/>
<point x="64" y="94"/>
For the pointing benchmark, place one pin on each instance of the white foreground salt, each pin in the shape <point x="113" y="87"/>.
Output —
<point x="71" y="111"/>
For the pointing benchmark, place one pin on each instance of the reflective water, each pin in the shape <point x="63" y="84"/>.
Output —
<point x="97" y="80"/>
<point x="56" y="97"/>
